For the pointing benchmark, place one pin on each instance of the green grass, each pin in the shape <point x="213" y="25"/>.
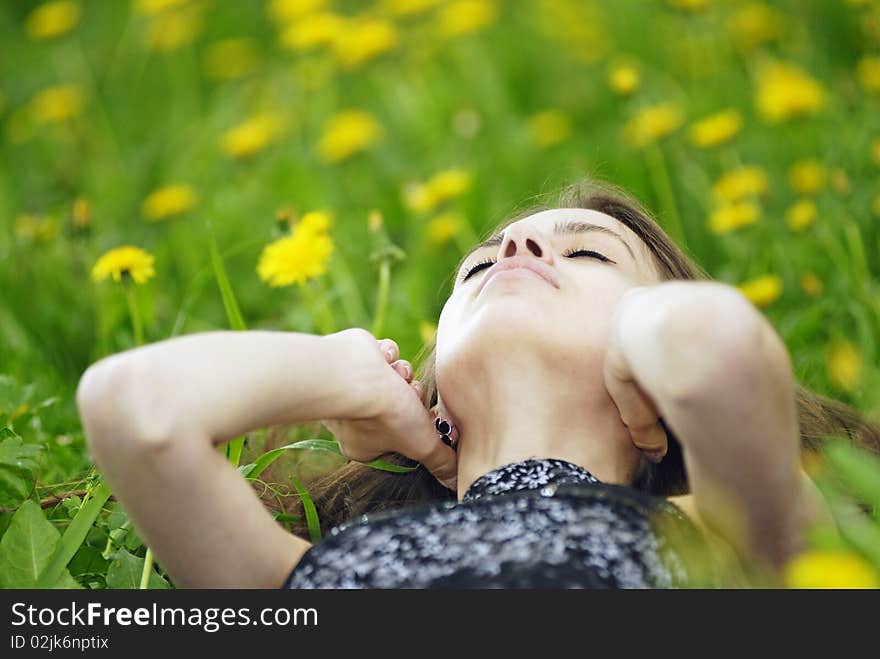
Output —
<point x="154" y="118"/>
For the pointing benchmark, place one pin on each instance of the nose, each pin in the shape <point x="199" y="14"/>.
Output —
<point x="525" y="240"/>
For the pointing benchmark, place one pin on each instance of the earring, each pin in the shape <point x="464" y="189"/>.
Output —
<point x="445" y="429"/>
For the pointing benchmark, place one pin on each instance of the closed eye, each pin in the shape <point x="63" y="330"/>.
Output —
<point x="573" y="253"/>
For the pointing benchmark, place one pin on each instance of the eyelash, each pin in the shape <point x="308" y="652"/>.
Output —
<point x="571" y="253"/>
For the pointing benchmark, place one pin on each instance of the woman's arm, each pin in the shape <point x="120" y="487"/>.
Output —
<point x="154" y="416"/>
<point x="722" y="380"/>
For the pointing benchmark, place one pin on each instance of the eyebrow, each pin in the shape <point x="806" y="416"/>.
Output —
<point x="569" y="227"/>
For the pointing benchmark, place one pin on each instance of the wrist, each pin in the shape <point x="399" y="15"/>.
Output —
<point x="354" y="371"/>
<point x="677" y="335"/>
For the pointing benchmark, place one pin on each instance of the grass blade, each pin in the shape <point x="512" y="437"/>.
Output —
<point x="311" y="512"/>
<point x="253" y="470"/>
<point x="74" y="536"/>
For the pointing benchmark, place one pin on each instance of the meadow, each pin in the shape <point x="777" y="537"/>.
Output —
<point x="177" y="166"/>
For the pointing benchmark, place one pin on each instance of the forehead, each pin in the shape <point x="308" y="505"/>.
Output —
<point x="549" y="218"/>
<point x="597" y="223"/>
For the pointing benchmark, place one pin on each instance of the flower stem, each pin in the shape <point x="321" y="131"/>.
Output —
<point x="148" y="567"/>
<point x="316" y="298"/>
<point x="135" y="314"/>
<point x="382" y="297"/>
<point x="139" y="340"/>
<point x="660" y="178"/>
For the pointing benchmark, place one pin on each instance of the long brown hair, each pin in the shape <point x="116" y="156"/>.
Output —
<point x="356" y="489"/>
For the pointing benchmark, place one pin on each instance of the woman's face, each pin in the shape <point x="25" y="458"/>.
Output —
<point x="565" y="320"/>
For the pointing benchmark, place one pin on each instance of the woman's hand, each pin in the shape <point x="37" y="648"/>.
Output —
<point x="637" y="410"/>
<point x="399" y="421"/>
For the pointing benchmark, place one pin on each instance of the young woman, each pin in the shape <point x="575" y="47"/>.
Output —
<point x="592" y="410"/>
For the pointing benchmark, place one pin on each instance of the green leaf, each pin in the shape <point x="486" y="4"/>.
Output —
<point x="88" y="561"/>
<point x="311" y="512"/>
<point x="26" y="549"/>
<point x="858" y="469"/>
<point x="329" y="445"/>
<point x="17" y="464"/>
<point x="125" y="571"/>
<point x="133" y="541"/>
<point x="75" y="535"/>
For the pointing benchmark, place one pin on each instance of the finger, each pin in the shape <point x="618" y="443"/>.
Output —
<point x="636" y="411"/>
<point x="442" y="462"/>
<point x="652" y="441"/>
<point x="390" y="349"/>
<point x="404" y="368"/>
<point x="420" y="390"/>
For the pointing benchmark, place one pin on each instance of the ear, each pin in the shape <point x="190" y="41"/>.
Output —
<point x="439" y="411"/>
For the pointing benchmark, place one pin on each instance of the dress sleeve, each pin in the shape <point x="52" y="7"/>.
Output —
<point x="288" y="582"/>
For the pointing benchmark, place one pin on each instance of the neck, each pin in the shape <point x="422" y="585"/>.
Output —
<point x="511" y="418"/>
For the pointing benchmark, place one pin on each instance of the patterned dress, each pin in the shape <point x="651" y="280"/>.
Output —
<point x="531" y="524"/>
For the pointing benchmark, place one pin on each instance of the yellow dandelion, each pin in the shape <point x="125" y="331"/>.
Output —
<point x="549" y="128"/>
<point x="37" y="228"/>
<point x="801" y="214"/>
<point x="252" y="135"/>
<point x="363" y="40"/>
<point x="408" y="7"/>
<point x="746" y="181"/>
<point x="811" y="284"/>
<point x="443" y="228"/>
<point x="762" y="291"/>
<point x="427" y="331"/>
<point x="461" y="17"/>
<point x="868" y="72"/>
<point x="52" y="19"/>
<point x="652" y="124"/>
<point x="731" y="217"/>
<point x="315" y="222"/>
<point x="128" y="261"/>
<point x="830" y="569"/>
<point x="230" y="59"/>
<point x="81" y="213"/>
<point x="840" y="182"/>
<point x="443" y="186"/>
<point x="807" y="177"/>
<point x="845" y="365"/>
<point x="875" y="151"/>
<point x="168" y="201"/>
<point x="346" y="134"/>
<point x="753" y="25"/>
<point x="716" y="129"/>
<point x="623" y="79"/>
<point x="689" y="5"/>
<point x="59" y="103"/>
<point x="448" y="184"/>
<point x="296" y="258"/>
<point x="786" y="91"/>
<point x="285" y="11"/>
<point x="417" y="197"/>
<point x="169" y="31"/>
<point x="154" y="7"/>
<point x="314" y="30"/>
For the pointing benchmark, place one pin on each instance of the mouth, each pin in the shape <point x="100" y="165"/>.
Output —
<point x="519" y="268"/>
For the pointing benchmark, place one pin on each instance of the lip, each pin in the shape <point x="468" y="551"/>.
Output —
<point x="515" y="263"/>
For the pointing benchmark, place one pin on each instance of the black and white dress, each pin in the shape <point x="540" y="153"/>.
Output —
<point x="531" y="524"/>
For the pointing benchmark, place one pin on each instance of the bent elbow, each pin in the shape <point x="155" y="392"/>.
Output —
<point x="118" y="408"/>
<point x="714" y="344"/>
